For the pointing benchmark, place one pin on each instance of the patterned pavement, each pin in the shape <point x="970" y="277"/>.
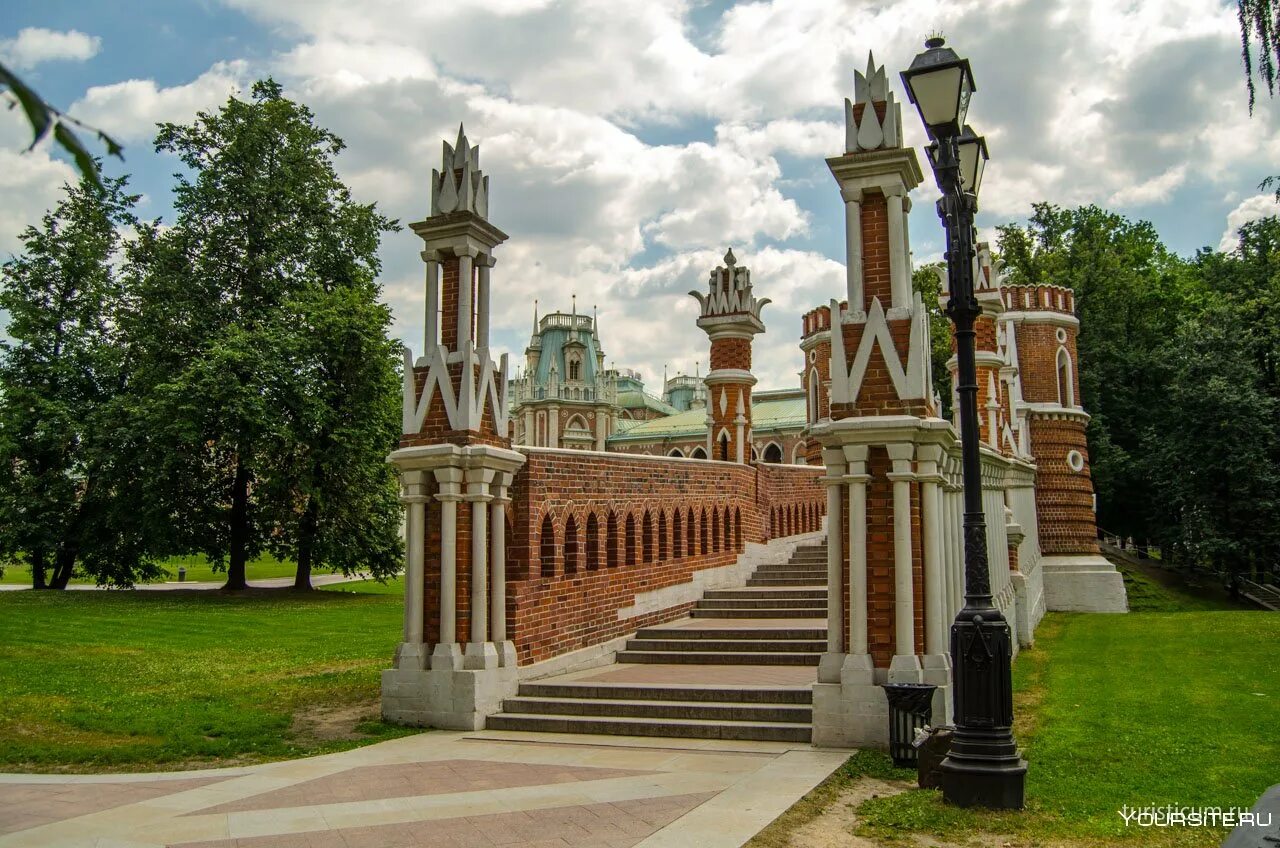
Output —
<point x="433" y="790"/>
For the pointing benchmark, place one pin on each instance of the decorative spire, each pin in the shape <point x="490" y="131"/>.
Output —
<point x="535" y="316"/>
<point x="460" y="185"/>
<point x="869" y="131"/>
<point x="730" y="292"/>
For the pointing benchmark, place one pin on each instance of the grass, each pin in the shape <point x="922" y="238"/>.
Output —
<point x="198" y="569"/>
<point x="121" y="681"/>
<point x="1141" y="709"/>
<point x="1175" y="703"/>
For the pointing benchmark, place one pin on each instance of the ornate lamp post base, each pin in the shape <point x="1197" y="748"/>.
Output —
<point x="983" y="768"/>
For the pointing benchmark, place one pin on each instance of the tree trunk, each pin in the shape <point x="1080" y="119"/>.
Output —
<point x="37" y="571"/>
<point x="307" y="529"/>
<point x="239" y="536"/>
<point x="63" y="565"/>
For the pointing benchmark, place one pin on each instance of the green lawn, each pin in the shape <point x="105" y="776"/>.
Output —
<point x="120" y="681"/>
<point x="197" y="565"/>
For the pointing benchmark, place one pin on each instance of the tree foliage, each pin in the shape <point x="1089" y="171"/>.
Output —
<point x="67" y="496"/>
<point x="1178" y="369"/>
<point x="264" y="347"/>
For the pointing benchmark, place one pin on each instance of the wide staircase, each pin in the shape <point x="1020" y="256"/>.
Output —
<point x="741" y="666"/>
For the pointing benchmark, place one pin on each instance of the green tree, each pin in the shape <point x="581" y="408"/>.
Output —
<point x="67" y="502"/>
<point x="1131" y="293"/>
<point x="340" y="496"/>
<point x="241" y="432"/>
<point x="1213" y="462"/>
<point x="925" y="280"/>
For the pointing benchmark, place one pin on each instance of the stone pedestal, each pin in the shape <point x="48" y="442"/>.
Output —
<point x="1088" y="583"/>
<point x="445" y="698"/>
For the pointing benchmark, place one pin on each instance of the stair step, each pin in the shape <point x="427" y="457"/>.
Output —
<point x="762" y="603"/>
<point x="717" y="658"/>
<point x="704" y="711"/>
<point x="756" y="731"/>
<point x="754" y="612"/>
<point x="656" y="692"/>
<point x="747" y="594"/>
<point x="763" y="582"/>
<point x="764" y="634"/>
<point x="733" y="646"/>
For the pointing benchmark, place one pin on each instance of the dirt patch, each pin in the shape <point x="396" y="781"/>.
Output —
<point x="329" y="723"/>
<point x="834" y="827"/>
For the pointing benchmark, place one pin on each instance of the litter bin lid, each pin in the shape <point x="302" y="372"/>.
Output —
<point x="913" y="697"/>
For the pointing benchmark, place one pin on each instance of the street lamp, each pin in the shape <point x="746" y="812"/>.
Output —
<point x="983" y="768"/>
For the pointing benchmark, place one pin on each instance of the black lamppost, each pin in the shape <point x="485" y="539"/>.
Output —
<point x="983" y="767"/>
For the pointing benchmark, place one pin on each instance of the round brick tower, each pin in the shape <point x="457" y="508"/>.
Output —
<point x="730" y="315"/>
<point x="1077" y="577"/>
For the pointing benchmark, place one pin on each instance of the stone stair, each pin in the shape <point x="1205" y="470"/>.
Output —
<point x="778" y="619"/>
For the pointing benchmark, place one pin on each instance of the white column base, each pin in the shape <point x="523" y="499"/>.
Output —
<point x="506" y="654"/>
<point x="1087" y="583"/>
<point x="411" y="656"/>
<point x="446" y="657"/>
<point x="480" y="656"/>
<point x="830" y="666"/>
<point x="444" y="698"/>
<point x="937" y="671"/>
<point x="906" y="668"/>
<point x="854" y="712"/>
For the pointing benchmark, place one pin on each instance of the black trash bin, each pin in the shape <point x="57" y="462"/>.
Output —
<point x="910" y="708"/>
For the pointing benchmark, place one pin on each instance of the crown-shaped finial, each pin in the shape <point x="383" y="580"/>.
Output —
<point x="459" y="185"/>
<point x="868" y="130"/>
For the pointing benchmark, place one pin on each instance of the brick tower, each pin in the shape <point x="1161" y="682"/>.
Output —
<point x="730" y="315"/>
<point x="1044" y="328"/>
<point x="455" y="464"/>
<point x="883" y="445"/>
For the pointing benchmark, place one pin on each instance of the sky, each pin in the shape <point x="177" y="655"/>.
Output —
<point x="629" y="143"/>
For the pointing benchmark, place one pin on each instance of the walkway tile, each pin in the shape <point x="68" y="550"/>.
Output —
<point x="433" y="790"/>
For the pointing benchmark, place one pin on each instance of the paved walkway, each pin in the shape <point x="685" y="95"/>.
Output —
<point x="433" y="790"/>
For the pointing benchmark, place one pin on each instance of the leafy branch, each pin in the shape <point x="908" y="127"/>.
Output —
<point x="45" y="118"/>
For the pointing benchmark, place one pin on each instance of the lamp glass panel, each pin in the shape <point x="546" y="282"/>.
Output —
<point x="936" y="95"/>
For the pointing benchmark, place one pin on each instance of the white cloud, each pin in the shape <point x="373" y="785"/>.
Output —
<point x="34" y="45"/>
<point x="626" y="150"/>
<point x="131" y="109"/>
<point x="1249" y="209"/>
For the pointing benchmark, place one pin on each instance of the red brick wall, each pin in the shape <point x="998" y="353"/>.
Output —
<point x="1064" y="498"/>
<point x="560" y="611"/>
<point x="731" y="353"/>
<point x="876" y="281"/>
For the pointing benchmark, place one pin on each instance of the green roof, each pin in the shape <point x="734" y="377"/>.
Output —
<point x="644" y="400"/>
<point x="786" y="413"/>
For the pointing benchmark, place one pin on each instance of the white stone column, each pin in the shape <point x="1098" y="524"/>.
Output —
<point x="530" y="428"/>
<point x="485" y="263"/>
<point x="905" y="666"/>
<point x="480" y="651"/>
<point x="447" y="652"/>
<point x="553" y="427"/>
<point x="935" y="641"/>
<point x="835" y="565"/>
<point x="498" y="567"/>
<point x="899" y="278"/>
<point x="464" y="300"/>
<point x="411" y="654"/>
<point x="431" y="337"/>
<point x="853" y="249"/>
<point x="858" y="479"/>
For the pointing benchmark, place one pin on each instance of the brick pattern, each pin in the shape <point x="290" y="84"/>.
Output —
<point x="877" y="396"/>
<point x="725" y="423"/>
<point x="731" y="353"/>
<point x="560" y="599"/>
<point x="876" y="281"/>
<point x="1064" y="498"/>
